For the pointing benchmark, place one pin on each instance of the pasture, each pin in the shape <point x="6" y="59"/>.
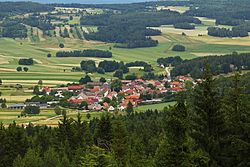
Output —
<point x="46" y="117"/>
<point x="153" y="107"/>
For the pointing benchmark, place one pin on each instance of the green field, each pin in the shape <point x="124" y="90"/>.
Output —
<point x="158" y="107"/>
<point x="46" y="117"/>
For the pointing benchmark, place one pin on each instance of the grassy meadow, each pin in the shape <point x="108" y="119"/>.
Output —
<point x="46" y="117"/>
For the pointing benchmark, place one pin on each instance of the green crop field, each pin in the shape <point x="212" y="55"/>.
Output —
<point x="46" y="117"/>
<point x="153" y="107"/>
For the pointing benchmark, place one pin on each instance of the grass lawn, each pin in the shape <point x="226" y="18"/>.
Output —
<point x="158" y="107"/>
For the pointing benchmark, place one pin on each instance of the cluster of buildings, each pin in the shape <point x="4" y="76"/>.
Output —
<point x="95" y="93"/>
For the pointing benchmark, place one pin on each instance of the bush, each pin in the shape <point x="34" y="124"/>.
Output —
<point x="102" y="79"/>
<point x="88" y="66"/>
<point x="179" y="48"/>
<point x="85" y="80"/>
<point x="118" y="74"/>
<point x="26" y="69"/>
<point x="31" y="110"/>
<point x="58" y="110"/>
<point x="61" y="45"/>
<point x="131" y="77"/>
<point x="49" y="55"/>
<point x="19" y="69"/>
<point x="100" y="70"/>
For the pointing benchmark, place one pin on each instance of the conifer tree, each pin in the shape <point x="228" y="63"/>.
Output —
<point x="119" y="141"/>
<point x="103" y="133"/>
<point x="173" y="148"/>
<point x="237" y="109"/>
<point x="207" y="118"/>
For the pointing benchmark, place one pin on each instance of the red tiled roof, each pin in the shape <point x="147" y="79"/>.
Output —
<point x="75" y="87"/>
<point x="46" y="89"/>
<point x="76" y="101"/>
<point x="132" y="97"/>
<point x="106" y="104"/>
<point x="175" y="83"/>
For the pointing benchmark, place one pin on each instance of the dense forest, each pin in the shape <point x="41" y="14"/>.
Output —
<point x="85" y="53"/>
<point x="130" y="30"/>
<point x="41" y="22"/>
<point x="209" y="126"/>
<point x="219" y="65"/>
<point x="13" y="8"/>
<point x="16" y="30"/>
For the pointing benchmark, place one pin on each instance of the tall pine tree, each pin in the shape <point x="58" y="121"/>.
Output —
<point x="207" y="118"/>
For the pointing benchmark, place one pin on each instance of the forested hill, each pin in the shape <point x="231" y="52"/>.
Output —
<point x="13" y="8"/>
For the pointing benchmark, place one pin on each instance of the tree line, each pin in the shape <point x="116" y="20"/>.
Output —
<point x="238" y="31"/>
<point x="85" y="53"/>
<point x="219" y="65"/>
<point x="170" y="61"/>
<point x="28" y="61"/>
<point x="206" y="127"/>
<point x="103" y="66"/>
<point x="185" y="26"/>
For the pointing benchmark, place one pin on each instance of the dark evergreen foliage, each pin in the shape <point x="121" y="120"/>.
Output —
<point x="219" y="65"/>
<point x="13" y="8"/>
<point x="178" y="48"/>
<point x="170" y="61"/>
<point x="26" y="61"/>
<point x="185" y="26"/>
<point x="85" y="53"/>
<point x="129" y="30"/>
<point x="224" y="32"/>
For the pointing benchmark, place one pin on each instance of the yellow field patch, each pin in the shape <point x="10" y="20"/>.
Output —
<point x="7" y="70"/>
<point x="204" y="54"/>
<point x="160" y="39"/>
<point x="21" y="98"/>
<point x="180" y="9"/>
<point x="8" y="117"/>
<point x="171" y="29"/>
<point x="33" y="81"/>
<point x="9" y="113"/>
<point x="207" y="21"/>
<point x="3" y="60"/>
<point x="243" y="41"/>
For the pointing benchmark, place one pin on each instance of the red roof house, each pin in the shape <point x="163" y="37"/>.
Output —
<point x="75" y="87"/>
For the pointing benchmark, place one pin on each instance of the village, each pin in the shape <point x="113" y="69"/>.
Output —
<point x="102" y="96"/>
